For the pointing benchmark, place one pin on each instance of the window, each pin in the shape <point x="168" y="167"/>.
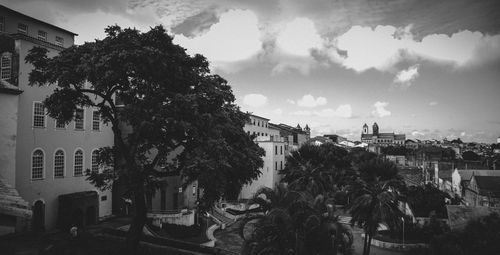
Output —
<point x="37" y="165"/>
<point x="96" y="121"/>
<point x="60" y="124"/>
<point x="2" y="24"/>
<point x="276" y="150"/>
<point x="42" y="35"/>
<point x="281" y="165"/>
<point x="281" y="149"/>
<point x="38" y="115"/>
<point x="22" y="28"/>
<point x="95" y="162"/>
<point x="276" y="165"/>
<point x="79" y="119"/>
<point x="59" y="41"/>
<point x="59" y="164"/>
<point x="78" y="166"/>
<point x="6" y="66"/>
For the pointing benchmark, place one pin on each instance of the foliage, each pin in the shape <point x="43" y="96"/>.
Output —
<point x="425" y="199"/>
<point x="375" y="203"/>
<point x="480" y="236"/>
<point x="392" y="150"/>
<point x="317" y="169"/>
<point x="174" y="115"/>
<point x="295" y="225"/>
<point x="470" y="156"/>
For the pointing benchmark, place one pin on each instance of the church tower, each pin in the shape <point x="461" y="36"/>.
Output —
<point x="365" y="129"/>
<point x="375" y="129"/>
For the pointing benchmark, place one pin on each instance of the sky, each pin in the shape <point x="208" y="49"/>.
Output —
<point x="428" y="69"/>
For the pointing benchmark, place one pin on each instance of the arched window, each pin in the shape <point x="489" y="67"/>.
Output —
<point x="59" y="164"/>
<point x="37" y="165"/>
<point x="6" y="66"/>
<point x="78" y="166"/>
<point x="95" y="163"/>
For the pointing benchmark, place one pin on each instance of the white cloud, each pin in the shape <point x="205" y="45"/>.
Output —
<point x="290" y="101"/>
<point x="278" y="111"/>
<point x="298" y="37"/>
<point x="380" y="110"/>
<point x="310" y="101"/>
<point x="433" y="103"/>
<point x="395" y="44"/>
<point x="294" y="45"/>
<point x="236" y="37"/>
<point x="343" y="111"/>
<point x="406" y="77"/>
<point x="255" y="100"/>
<point x="417" y="133"/>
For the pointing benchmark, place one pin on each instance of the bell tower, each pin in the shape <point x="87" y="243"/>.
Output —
<point x="365" y="129"/>
<point x="375" y="129"/>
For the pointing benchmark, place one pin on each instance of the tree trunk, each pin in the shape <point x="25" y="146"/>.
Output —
<point x="369" y="244"/>
<point x="364" y="243"/>
<point x="139" y="220"/>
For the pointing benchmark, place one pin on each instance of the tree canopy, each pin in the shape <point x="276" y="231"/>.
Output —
<point x="173" y="115"/>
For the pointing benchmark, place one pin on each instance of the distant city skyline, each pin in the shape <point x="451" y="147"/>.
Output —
<point x="428" y="69"/>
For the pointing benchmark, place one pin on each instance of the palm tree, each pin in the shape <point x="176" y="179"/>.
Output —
<point x="374" y="203"/>
<point x="294" y="223"/>
<point x="315" y="169"/>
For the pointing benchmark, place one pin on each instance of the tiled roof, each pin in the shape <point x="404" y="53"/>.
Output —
<point x="488" y="185"/>
<point x="465" y="175"/>
<point x="412" y="176"/>
<point x="6" y="87"/>
<point x="11" y="203"/>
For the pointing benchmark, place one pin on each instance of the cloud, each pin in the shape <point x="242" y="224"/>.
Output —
<point x="433" y="103"/>
<point x="343" y="111"/>
<point x="294" y="45"/>
<point x="310" y="101"/>
<point x="380" y="110"/>
<point x="255" y="100"/>
<point x="290" y="101"/>
<point x="355" y="48"/>
<point x="405" y="77"/>
<point x="236" y="37"/>
<point x="298" y="37"/>
<point x="197" y="24"/>
<point x="278" y="111"/>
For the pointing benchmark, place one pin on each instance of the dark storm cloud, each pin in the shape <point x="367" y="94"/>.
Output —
<point x="197" y="24"/>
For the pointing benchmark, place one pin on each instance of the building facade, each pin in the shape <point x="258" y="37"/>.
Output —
<point x="268" y="137"/>
<point x="381" y="139"/>
<point x="42" y="158"/>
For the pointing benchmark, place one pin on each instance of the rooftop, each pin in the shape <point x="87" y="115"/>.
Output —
<point x="5" y="8"/>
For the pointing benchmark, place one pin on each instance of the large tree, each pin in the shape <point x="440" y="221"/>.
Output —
<point x="174" y="115"/>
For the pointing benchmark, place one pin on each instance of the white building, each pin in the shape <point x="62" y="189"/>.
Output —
<point x="269" y="139"/>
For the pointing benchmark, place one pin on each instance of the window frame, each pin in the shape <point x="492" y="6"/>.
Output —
<point x="42" y="35"/>
<point x="96" y="163"/>
<point x="94" y="121"/>
<point x="59" y="42"/>
<point x="64" y="163"/>
<point x="7" y="55"/>
<point x="42" y="167"/>
<point x="59" y="128"/>
<point x="33" y="115"/>
<point x="83" y="120"/>
<point x="22" y="31"/>
<point x="74" y="162"/>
